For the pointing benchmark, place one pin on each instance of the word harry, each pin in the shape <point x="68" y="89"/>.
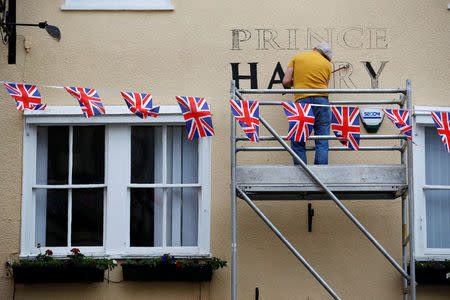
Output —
<point x="340" y="79"/>
<point x="358" y="37"/>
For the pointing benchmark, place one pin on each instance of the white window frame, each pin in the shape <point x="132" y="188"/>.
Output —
<point x="118" y="122"/>
<point x="422" y="120"/>
<point x="117" y="5"/>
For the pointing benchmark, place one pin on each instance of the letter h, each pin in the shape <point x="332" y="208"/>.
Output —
<point x="252" y="77"/>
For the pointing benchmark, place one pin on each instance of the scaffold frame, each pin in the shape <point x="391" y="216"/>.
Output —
<point x="407" y="198"/>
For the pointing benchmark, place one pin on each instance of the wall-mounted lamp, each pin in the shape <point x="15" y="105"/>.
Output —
<point x="8" y="28"/>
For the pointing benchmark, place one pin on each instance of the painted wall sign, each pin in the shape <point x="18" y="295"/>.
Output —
<point x="248" y="72"/>
<point x="270" y="39"/>
<point x="358" y="37"/>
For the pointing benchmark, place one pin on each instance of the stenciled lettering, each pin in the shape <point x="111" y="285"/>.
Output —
<point x="267" y="37"/>
<point x="351" y="38"/>
<point x="278" y="71"/>
<point x="378" y="38"/>
<point x="252" y="77"/>
<point x="374" y="76"/>
<point x="238" y="36"/>
<point x="341" y="79"/>
<point x="313" y="38"/>
<point x="285" y="39"/>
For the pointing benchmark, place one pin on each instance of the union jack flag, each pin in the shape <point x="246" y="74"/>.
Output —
<point x="301" y="120"/>
<point x="252" y="132"/>
<point x="140" y="104"/>
<point x="441" y="120"/>
<point x="90" y="102"/>
<point x="27" y="96"/>
<point x="247" y="113"/>
<point x="197" y="116"/>
<point x="400" y="118"/>
<point x="345" y="125"/>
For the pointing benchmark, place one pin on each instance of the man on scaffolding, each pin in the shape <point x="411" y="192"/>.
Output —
<point x="312" y="70"/>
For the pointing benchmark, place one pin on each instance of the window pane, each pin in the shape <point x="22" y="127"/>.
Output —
<point x="146" y="207"/>
<point x="182" y="156"/>
<point x="438" y="218"/>
<point x="437" y="204"/>
<point x="437" y="160"/>
<point x="146" y="154"/>
<point x="87" y="217"/>
<point x="88" y="154"/>
<point x="182" y="217"/>
<point x="52" y="161"/>
<point x="51" y="217"/>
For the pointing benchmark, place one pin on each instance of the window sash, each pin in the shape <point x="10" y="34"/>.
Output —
<point x="117" y="5"/>
<point x="173" y="148"/>
<point x="423" y="252"/>
<point x="41" y="165"/>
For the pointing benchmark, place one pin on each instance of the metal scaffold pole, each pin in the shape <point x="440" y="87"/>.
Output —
<point x="404" y="224"/>
<point x="412" y="280"/>
<point x="233" y="200"/>
<point x="287" y="243"/>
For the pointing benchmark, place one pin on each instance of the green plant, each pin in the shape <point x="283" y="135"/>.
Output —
<point x="167" y="259"/>
<point x="75" y="258"/>
<point x="432" y="264"/>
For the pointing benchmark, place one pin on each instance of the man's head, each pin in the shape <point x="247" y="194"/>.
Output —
<point x="325" y="50"/>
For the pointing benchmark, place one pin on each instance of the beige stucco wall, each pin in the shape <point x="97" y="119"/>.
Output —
<point x="188" y="51"/>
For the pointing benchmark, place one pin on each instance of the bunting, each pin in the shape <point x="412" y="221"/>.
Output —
<point x="247" y="113"/>
<point x="252" y="132"/>
<point x="197" y="115"/>
<point x="400" y="118"/>
<point x="140" y="104"/>
<point x="345" y="125"/>
<point x="90" y="102"/>
<point x="27" y="96"/>
<point x="441" y="120"/>
<point x="301" y="120"/>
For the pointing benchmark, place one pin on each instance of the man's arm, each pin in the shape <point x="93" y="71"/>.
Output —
<point x="288" y="76"/>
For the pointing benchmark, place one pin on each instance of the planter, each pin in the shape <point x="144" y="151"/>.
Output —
<point x="166" y="272"/>
<point x="430" y="275"/>
<point x="57" y="273"/>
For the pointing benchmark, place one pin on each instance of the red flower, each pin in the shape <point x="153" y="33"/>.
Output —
<point x="49" y="252"/>
<point x="178" y="264"/>
<point x="75" y="250"/>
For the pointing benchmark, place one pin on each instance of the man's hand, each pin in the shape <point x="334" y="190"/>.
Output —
<point x="341" y="68"/>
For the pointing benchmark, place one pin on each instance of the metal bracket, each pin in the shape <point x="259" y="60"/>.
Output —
<point x="310" y="216"/>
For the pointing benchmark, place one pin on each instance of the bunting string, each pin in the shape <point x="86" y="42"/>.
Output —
<point x="217" y="97"/>
<point x="196" y="112"/>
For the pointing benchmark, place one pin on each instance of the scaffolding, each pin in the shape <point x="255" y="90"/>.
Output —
<point x="267" y="182"/>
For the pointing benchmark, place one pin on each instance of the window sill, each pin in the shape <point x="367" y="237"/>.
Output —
<point x="98" y="255"/>
<point x="162" y="6"/>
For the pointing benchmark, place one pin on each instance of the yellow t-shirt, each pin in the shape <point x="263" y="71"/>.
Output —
<point x="311" y="71"/>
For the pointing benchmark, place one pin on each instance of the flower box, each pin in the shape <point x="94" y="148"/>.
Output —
<point x="57" y="273"/>
<point x="166" y="272"/>
<point x="432" y="275"/>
